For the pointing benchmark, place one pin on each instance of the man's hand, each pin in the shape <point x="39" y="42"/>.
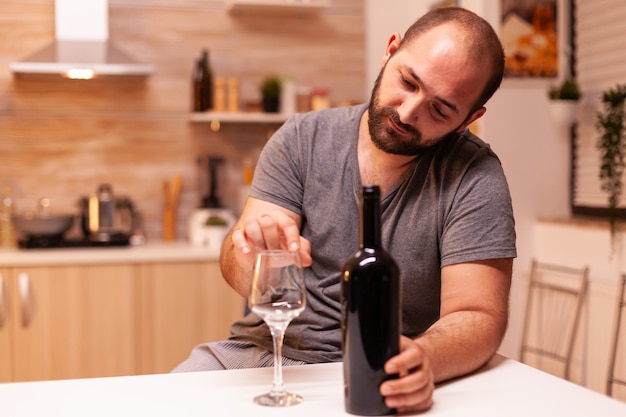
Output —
<point x="413" y="389"/>
<point x="474" y="311"/>
<point x="262" y="225"/>
<point x="268" y="230"/>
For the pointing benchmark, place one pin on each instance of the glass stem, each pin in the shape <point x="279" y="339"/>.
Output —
<point x="278" y="334"/>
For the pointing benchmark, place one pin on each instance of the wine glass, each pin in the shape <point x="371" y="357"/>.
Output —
<point x="277" y="296"/>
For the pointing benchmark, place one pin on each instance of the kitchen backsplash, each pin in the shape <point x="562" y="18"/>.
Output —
<point x="60" y="138"/>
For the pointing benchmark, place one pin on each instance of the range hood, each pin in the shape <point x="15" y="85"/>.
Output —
<point x="81" y="48"/>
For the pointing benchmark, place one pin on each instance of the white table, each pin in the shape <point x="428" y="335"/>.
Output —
<point x="505" y="388"/>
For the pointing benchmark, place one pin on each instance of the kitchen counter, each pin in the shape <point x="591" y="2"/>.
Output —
<point x="152" y="251"/>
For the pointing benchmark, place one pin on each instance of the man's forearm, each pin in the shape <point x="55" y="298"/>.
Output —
<point x="461" y="342"/>
<point x="233" y="273"/>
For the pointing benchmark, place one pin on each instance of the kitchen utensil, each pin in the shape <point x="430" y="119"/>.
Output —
<point x="107" y="217"/>
<point x="171" y="195"/>
<point x="43" y="222"/>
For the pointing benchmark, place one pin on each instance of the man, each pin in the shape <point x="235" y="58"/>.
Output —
<point x="446" y="212"/>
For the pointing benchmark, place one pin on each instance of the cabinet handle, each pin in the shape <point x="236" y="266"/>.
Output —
<point x="4" y="303"/>
<point x="23" y="284"/>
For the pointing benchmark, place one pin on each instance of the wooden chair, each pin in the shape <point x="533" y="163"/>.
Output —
<point x="618" y="330"/>
<point x="555" y="299"/>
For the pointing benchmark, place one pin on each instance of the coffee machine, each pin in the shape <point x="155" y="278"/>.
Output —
<point x="209" y="167"/>
<point x="209" y="224"/>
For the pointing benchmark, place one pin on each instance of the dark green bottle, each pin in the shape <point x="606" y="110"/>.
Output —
<point x="203" y="84"/>
<point x="370" y="309"/>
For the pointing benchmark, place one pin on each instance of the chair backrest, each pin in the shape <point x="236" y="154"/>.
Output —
<point x="553" y="309"/>
<point x="617" y="361"/>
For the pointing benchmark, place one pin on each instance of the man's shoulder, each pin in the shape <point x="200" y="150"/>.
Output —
<point x="324" y="128"/>
<point x="468" y="136"/>
<point x="467" y="146"/>
<point x="333" y="114"/>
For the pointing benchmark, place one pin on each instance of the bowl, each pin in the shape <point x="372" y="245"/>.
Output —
<point x="34" y="225"/>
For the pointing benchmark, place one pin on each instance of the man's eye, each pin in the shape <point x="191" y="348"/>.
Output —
<point x="407" y="82"/>
<point x="438" y="112"/>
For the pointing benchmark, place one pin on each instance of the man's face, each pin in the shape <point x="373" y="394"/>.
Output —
<point x="424" y="92"/>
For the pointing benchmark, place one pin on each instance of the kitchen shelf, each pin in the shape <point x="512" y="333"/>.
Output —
<point x="239" y="117"/>
<point x="298" y="6"/>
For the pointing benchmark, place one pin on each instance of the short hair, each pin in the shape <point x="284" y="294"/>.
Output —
<point x="485" y="42"/>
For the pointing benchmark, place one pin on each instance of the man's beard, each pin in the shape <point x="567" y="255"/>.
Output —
<point x="387" y="138"/>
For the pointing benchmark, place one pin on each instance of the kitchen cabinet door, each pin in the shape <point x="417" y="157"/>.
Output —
<point x="6" y="356"/>
<point x="74" y="321"/>
<point x="183" y="304"/>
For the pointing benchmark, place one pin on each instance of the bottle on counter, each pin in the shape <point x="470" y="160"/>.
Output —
<point x="370" y="313"/>
<point x="203" y="84"/>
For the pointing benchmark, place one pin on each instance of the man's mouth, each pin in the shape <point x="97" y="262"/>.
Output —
<point x="395" y="126"/>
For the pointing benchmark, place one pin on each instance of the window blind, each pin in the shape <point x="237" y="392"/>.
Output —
<point x="600" y="62"/>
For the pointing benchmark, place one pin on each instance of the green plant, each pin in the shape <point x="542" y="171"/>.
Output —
<point x="270" y="94"/>
<point x="611" y="144"/>
<point x="215" y="221"/>
<point x="270" y="87"/>
<point x="568" y="90"/>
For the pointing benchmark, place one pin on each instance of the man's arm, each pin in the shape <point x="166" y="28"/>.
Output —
<point x="473" y="320"/>
<point x="262" y="225"/>
<point x="474" y="316"/>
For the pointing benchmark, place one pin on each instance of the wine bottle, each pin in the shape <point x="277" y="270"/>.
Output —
<point x="370" y="313"/>
<point x="203" y="84"/>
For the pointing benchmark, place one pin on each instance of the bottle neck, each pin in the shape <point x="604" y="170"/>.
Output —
<point x="204" y="61"/>
<point x="370" y="217"/>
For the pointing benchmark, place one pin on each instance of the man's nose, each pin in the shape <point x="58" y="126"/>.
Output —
<point x="408" y="110"/>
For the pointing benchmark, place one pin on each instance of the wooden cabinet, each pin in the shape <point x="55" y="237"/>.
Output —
<point x="182" y="305"/>
<point x="6" y="362"/>
<point x="59" y="322"/>
<point x="70" y="322"/>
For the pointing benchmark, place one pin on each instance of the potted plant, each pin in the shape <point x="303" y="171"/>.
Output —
<point x="612" y="144"/>
<point x="215" y="220"/>
<point x="564" y="101"/>
<point x="270" y="94"/>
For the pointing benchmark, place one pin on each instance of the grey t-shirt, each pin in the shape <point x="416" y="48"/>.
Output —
<point x="452" y="205"/>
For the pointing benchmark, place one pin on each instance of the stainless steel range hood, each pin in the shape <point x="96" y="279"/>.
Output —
<point x="82" y="48"/>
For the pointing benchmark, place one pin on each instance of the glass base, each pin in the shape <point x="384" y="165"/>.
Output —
<point x="278" y="400"/>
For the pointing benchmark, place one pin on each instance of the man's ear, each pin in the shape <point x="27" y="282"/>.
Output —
<point x="473" y="117"/>
<point x="392" y="45"/>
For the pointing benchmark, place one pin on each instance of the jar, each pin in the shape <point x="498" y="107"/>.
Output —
<point x="320" y="98"/>
<point x="303" y="99"/>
